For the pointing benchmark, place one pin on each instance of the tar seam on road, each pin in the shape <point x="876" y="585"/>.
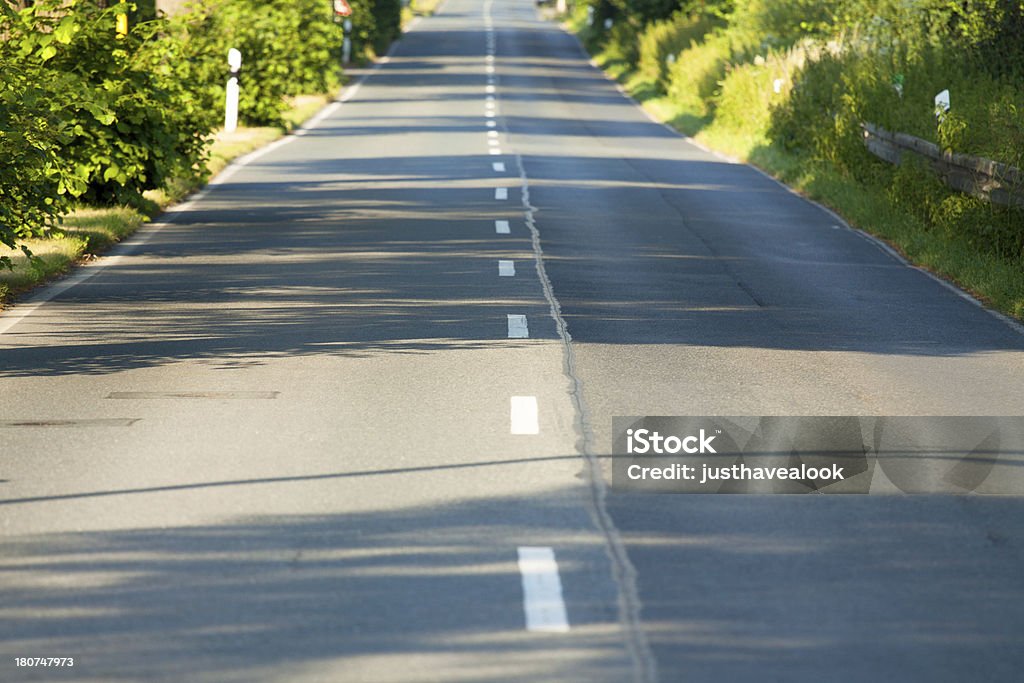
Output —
<point x="97" y="422"/>
<point x="623" y="572"/>
<point x="221" y="395"/>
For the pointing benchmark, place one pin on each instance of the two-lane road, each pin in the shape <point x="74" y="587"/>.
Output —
<point x="343" y="417"/>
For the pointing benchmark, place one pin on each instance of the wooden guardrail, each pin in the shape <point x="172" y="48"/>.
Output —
<point x="998" y="183"/>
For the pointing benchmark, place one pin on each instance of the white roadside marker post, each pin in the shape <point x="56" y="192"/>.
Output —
<point x="231" y="103"/>
<point x="941" y="105"/>
<point x="346" y="43"/>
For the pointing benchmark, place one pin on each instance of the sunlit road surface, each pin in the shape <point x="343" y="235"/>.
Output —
<point x="327" y="424"/>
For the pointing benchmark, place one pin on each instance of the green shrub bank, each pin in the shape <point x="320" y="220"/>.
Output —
<point x="90" y="116"/>
<point x="787" y="83"/>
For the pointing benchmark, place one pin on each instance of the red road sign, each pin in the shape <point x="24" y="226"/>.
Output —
<point x="342" y="8"/>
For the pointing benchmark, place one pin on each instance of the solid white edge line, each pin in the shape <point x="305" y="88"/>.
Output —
<point x="523" y="416"/>
<point x="502" y="227"/>
<point x="543" y="602"/>
<point x="506" y="268"/>
<point x="517" y="326"/>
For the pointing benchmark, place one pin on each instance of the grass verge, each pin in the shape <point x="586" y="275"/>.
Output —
<point x="419" y="8"/>
<point x="89" y="231"/>
<point x="996" y="281"/>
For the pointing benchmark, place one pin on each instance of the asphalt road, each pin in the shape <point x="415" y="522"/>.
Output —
<point x="288" y="434"/>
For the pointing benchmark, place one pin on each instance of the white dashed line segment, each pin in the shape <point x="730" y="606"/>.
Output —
<point x="517" y="327"/>
<point x="543" y="603"/>
<point x="523" y="414"/>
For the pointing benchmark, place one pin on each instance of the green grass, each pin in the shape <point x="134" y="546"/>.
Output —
<point x="996" y="281"/>
<point x="89" y="231"/>
<point x="419" y="8"/>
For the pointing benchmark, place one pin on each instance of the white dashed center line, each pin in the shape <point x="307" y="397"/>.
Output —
<point x="517" y="327"/>
<point x="524" y="415"/>
<point x="543" y="604"/>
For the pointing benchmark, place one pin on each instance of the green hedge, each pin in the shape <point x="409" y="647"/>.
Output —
<point x="88" y="115"/>
<point x="35" y="183"/>
<point x="799" y="77"/>
<point x="134" y="123"/>
<point x="662" y="42"/>
<point x="287" y="48"/>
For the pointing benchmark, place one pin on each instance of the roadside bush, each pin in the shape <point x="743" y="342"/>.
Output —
<point x="387" y="16"/>
<point x="594" y="35"/>
<point x="895" y="88"/>
<point x="128" y="122"/>
<point x="287" y="48"/>
<point x="623" y="42"/>
<point x="666" y="38"/>
<point x="364" y="29"/>
<point x="694" y="78"/>
<point x="87" y="114"/>
<point x="811" y="121"/>
<point x="643" y="12"/>
<point x="779" y="24"/>
<point x="747" y="96"/>
<point x="988" y="228"/>
<point x="35" y="183"/>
